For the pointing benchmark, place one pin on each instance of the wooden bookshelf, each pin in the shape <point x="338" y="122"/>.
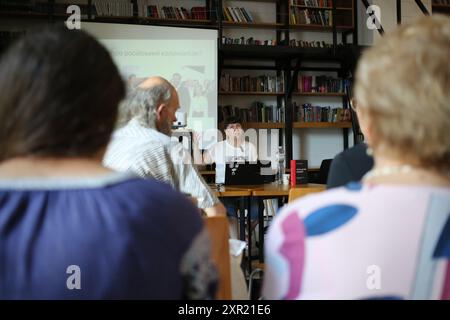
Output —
<point x="112" y="18"/>
<point x="256" y="25"/>
<point x="440" y="8"/>
<point x="280" y="55"/>
<point x="268" y="1"/>
<point x="321" y="125"/>
<point x="440" y="5"/>
<point x="319" y="94"/>
<point x="319" y="8"/>
<point x="314" y="27"/>
<point x="343" y="16"/>
<point x="23" y="14"/>
<point x="179" y="22"/>
<point x="263" y="125"/>
<point x="250" y="93"/>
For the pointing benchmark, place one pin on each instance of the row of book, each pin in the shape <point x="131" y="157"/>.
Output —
<point x="322" y="84"/>
<point x="441" y="2"/>
<point x="166" y="12"/>
<point x="311" y="16"/>
<point x="263" y="83"/>
<point x="113" y="8"/>
<point x="309" y="113"/>
<point x="235" y="14"/>
<point x="249" y="41"/>
<point x="24" y="5"/>
<point x="309" y="44"/>
<point x="257" y="112"/>
<point x="312" y="3"/>
<point x="273" y="42"/>
<point x="33" y="6"/>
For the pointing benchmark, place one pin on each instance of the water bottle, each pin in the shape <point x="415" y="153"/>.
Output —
<point x="280" y="165"/>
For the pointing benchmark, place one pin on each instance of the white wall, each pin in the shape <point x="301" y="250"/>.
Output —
<point x="410" y="10"/>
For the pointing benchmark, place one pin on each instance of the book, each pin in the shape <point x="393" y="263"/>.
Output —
<point x="299" y="172"/>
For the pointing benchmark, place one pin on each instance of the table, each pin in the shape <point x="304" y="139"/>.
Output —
<point x="236" y="191"/>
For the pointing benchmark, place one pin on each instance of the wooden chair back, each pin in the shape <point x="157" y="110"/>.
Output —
<point x="298" y="192"/>
<point x="219" y="235"/>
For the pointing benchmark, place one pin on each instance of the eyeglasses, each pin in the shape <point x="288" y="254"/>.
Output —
<point x="353" y="104"/>
<point x="234" y="126"/>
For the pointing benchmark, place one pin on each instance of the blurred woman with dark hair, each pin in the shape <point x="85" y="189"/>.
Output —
<point x="69" y="227"/>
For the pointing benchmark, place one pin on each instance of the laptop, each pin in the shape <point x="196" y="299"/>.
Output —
<point x="246" y="173"/>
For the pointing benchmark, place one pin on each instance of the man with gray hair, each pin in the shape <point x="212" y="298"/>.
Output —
<point x="143" y="146"/>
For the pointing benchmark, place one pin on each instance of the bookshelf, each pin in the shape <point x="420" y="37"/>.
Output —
<point x="277" y="46"/>
<point x="321" y="125"/>
<point x="282" y="59"/>
<point x="321" y="14"/>
<point x="250" y="93"/>
<point x="319" y="94"/>
<point x="260" y="125"/>
<point x="441" y="6"/>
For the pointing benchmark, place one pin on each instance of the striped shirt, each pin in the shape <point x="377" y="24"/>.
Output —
<point x="360" y="242"/>
<point x="149" y="153"/>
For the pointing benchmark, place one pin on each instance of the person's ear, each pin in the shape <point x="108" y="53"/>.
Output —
<point x="365" y="124"/>
<point x="160" y="111"/>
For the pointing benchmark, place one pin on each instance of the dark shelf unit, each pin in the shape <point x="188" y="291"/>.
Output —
<point x="287" y="59"/>
<point x="438" y="7"/>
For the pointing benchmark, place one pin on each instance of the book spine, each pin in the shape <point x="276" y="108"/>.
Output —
<point x="293" y="173"/>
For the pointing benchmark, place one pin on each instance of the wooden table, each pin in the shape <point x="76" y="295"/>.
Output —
<point x="273" y="190"/>
<point x="262" y="190"/>
<point x="231" y="191"/>
<point x="236" y="191"/>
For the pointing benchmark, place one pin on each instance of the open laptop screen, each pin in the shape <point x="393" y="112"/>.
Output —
<point x="245" y="173"/>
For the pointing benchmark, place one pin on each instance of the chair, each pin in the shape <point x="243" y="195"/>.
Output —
<point x="298" y="192"/>
<point x="219" y="234"/>
<point x="323" y="171"/>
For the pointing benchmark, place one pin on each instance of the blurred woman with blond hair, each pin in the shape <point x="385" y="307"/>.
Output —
<point x="388" y="236"/>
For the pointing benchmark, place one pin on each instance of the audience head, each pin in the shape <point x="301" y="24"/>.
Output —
<point x="154" y="104"/>
<point x="233" y="127"/>
<point x="59" y="93"/>
<point x="403" y="94"/>
<point x="176" y="79"/>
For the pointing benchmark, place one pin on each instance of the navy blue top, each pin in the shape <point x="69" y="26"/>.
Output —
<point x="113" y="237"/>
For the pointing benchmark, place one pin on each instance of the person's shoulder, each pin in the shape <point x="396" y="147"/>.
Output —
<point x="147" y="190"/>
<point x="135" y="186"/>
<point x="154" y="198"/>
<point x="319" y="213"/>
<point x="358" y="151"/>
<point x="331" y="199"/>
